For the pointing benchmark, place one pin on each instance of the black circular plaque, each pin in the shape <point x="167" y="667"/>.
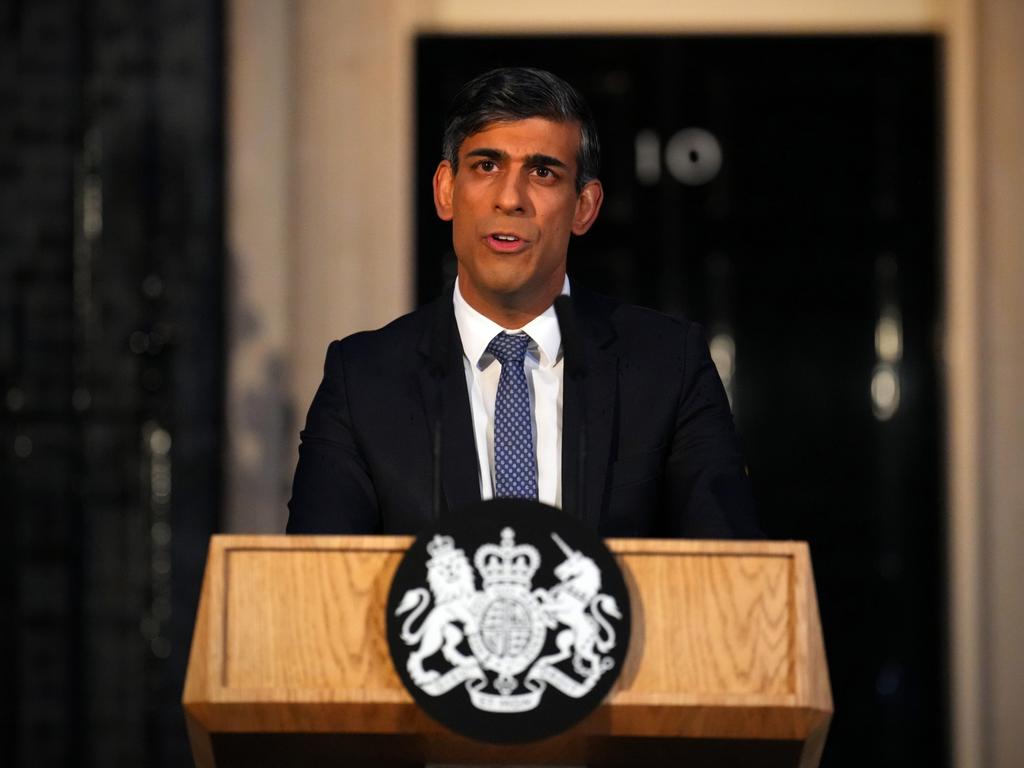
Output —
<point x="508" y="622"/>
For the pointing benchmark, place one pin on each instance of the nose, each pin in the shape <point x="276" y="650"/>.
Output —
<point x="511" y="196"/>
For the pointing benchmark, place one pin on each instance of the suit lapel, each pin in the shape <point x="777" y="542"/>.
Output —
<point x="596" y="392"/>
<point x="442" y="382"/>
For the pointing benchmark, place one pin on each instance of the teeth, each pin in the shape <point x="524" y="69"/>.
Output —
<point x="506" y="238"/>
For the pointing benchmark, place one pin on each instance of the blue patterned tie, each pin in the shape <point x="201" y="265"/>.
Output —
<point x="515" y="465"/>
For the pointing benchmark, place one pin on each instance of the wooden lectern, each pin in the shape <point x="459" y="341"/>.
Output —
<point x="290" y="665"/>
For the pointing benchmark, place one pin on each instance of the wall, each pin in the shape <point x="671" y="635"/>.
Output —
<point x="1001" y="268"/>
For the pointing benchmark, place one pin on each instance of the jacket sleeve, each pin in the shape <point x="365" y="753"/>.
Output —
<point x="708" y="492"/>
<point x="332" y="491"/>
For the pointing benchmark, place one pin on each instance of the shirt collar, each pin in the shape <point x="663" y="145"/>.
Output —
<point x="476" y="330"/>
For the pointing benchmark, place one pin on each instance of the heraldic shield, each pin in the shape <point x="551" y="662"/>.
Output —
<point x="508" y="622"/>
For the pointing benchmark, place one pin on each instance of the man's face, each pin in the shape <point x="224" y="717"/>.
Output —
<point x="513" y="205"/>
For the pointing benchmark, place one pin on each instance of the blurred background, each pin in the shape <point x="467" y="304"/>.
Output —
<point x="195" y="198"/>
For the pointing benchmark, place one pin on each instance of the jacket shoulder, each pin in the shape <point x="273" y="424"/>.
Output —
<point x="398" y="340"/>
<point x="639" y="328"/>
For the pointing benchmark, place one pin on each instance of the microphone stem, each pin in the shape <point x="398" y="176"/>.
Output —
<point x="581" y="485"/>
<point x="437" y="466"/>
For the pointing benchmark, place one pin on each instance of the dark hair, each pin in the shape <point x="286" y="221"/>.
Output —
<point x="518" y="93"/>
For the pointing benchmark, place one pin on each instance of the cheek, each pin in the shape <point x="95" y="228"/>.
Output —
<point x="461" y="232"/>
<point x="560" y="222"/>
<point x="557" y="232"/>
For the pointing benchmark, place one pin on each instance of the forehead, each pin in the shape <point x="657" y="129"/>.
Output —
<point x="532" y="136"/>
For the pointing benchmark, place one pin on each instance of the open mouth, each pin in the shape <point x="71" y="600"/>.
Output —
<point x="504" y="241"/>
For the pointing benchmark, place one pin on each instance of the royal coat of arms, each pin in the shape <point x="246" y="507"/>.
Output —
<point x="495" y="639"/>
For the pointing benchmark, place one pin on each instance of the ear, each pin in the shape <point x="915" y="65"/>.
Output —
<point x="588" y="205"/>
<point x="444" y="180"/>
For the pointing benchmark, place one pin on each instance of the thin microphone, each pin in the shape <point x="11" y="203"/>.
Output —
<point x="440" y="338"/>
<point x="440" y="344"/>
<point x="572" y="344"/>
<point x="575" y="368"/>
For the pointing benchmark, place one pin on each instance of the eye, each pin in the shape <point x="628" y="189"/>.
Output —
<point x="545" y="174"/>
<point x="487" y="166"/>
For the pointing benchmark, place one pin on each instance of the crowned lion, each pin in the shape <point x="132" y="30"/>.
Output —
<point x="451" y="581"/>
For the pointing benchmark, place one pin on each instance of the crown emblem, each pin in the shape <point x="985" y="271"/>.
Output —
<point x="509" y="564"/>
<point x="442" y="551"/>
<point x="440" y="546"/>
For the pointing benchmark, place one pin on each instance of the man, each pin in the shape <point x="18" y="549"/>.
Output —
<point x="472" y="396"/>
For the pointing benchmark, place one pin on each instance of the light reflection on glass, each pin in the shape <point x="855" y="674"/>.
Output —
<point x="723" y="354"/>
<point x="885" y="391"/>
<point x="885" y="380"/>
<point x="157" y="443"/>
<point x="889" y="337"/>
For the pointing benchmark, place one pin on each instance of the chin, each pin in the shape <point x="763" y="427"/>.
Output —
<point x="506" y="290"/>
<point x="504" y="281"/>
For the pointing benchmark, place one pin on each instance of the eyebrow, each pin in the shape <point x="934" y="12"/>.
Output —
<point x="533" y="160"/>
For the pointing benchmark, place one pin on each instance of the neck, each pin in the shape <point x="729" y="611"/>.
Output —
<point x="511" y="311"/>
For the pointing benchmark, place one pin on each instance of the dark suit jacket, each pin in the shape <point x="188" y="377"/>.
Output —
<point x="661" y="455"/>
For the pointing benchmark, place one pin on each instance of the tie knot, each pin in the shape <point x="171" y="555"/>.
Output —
<point x="509" y="347"/>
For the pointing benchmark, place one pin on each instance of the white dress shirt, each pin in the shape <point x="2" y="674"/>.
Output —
<point x="544" y="369"/>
